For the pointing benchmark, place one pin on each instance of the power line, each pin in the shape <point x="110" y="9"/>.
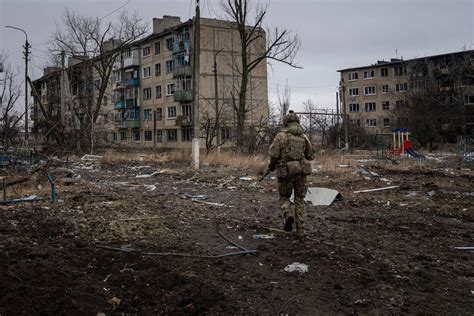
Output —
<point x="109" y="14"/>
<point x="302" y="87"/>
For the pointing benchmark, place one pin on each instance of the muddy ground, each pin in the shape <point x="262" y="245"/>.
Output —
<point x="387" y="252"/>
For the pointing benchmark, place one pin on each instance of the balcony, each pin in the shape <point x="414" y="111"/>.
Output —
<point x="182" y="120"/>
<point x="135" y="82"/>
<point x="181" y="45"/>
<point x="131" y="62"/>
<point x="131" y="103"/>
<point x="118" y="85"/>
<point x="131" y="124"/>
<point x="183" y="96"/>
<point x="182" y="71"/>
<point x="119" y="105"/>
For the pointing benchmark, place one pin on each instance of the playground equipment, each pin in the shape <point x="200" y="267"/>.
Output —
<point x="399" y="143"/>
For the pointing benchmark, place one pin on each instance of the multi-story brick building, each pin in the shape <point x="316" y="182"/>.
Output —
<point x="149" y="99"/>
<point x="376" y="96"/>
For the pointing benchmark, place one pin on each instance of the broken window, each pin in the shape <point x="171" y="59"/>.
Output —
<point x="136" y="136"/>
<point x="384" y="72"/>
<point x="186" y="134"/>
<point x="146" y="51"/>
<point x="147" y="135"/>
<point x="370" y="90"/>
<point x="385" y="105"/>
<point x="370" y="107"/>
<point x="371" y="122"/>
<point x="172" y="135"/>
<point x="353" y="92"/>
<point x="354" y="107"/>
<point x="172" y="112"/>
<point x="369" y="74"/>
<point x="353" y="76"/>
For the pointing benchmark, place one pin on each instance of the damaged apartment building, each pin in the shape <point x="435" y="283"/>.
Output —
<point x="381" y="97"/>
<point x="149" y="97"/>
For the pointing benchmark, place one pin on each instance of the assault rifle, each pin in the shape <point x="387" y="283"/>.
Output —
<point x="265" y="174"/>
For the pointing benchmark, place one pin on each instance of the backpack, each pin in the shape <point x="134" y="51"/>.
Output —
<point x="295" y="147"/>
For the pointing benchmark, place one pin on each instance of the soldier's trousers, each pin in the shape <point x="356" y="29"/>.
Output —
<point x="285" y="188"/>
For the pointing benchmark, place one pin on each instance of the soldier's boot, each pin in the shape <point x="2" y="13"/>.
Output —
<point x="289" y="220"/>
<point x="300" y="232"/>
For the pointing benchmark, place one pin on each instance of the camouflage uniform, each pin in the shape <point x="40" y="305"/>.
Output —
<point x="279" y="157"/>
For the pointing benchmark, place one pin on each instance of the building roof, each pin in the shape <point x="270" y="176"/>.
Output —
<point x="395" y="61"/>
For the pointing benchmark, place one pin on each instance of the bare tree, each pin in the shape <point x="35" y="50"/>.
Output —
<point x="281" y="46"/>
<point x="97" y="46"/>
<point x="284" y="98"/>
<point x="434" y="106"/>
<point x="211" y="121"/>
<point x="9" y="93"/>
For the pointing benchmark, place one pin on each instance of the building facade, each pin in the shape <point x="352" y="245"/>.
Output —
<point x="377" y="97"/>
<point x="149" y="98"/>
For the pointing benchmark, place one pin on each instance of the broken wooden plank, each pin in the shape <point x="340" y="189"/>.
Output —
<point x="377" y="189"/>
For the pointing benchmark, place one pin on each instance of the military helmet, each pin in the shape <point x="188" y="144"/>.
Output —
<point x="291" y="117"/>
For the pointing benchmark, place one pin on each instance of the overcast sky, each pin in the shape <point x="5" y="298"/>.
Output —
<point x="335" y="34"/>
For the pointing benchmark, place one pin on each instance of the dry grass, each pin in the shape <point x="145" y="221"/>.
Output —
<point x="255" y="163"/>
<point x="115" y="157"/>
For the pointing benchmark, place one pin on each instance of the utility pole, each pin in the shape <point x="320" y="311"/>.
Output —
<point x="216" y="100"/>
<point x="26" y="53"/>
<point x="154" y="129"/>
<point x="337" y="121"/>
<point x="196" y="53"/>
<point x="63" y="102"/>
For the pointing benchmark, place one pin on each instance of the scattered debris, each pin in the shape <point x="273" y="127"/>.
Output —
<point x="366" y="172"/>
<point x="464" y="248"/>
<point x="431" y="193"/>
<point x="263" y="236"/>
<point x="194" y="197"/>
<point x="115" y="302"/>
<point x="91" y="157"/>
<point x="377" y="189"/>
<point x="344" y="166"/>
<point x="143" y="176"/>
<point x="246" y="178"/>
<point x="298" y="267"/>
<point x="321" y="196"/>
<point x="411" y="194"/>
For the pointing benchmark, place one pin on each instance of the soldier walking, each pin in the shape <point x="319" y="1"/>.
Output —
<point x="290" y="155"/>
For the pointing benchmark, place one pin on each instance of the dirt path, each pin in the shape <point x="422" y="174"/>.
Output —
<point x="378" y="253"/>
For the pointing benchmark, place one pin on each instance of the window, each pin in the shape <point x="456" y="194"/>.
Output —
<point x="370" y="106"/>
<point x="401" y="103"/>
<point x="158" y="92"/>
<point x="370" y="90"/>
<point x="147" y="114"/>
<point x="184" y="83"/>
<point x="136" y="136"/>
<point x="146" y="51"/>
<point x="225" y="133"/>
<point x="147" y="135"/>
<point x="401" y="87"/>
<point x="371" y="122"/>
<point x="385" y="88"/>
<point x="157" y="70"/>
<point x="170" y="43"/>
<point x="123" y="135"/>
<point x="353" y="92"/>
<point x="146" y="93"/>
<point x="97" y="84"/>
<point x="159" y="136"/>
<point x="171" y="112"/>
<point x="385" y="105"/>
<point x="355" y="122"/>
<point x="159" y="114"/>
<point x="469" y="99"/>
<point x="172" y="135"/>
<point x="353" y="76"/>
<point x="369" y="74"/>
<point x="157" y="47"/>
<point x="400" y="70"/>
<point x="186" y="110"/>
<point x="113" y="136"/>
<point x="384" y="72"/>
<point x="146" y="72"/>
<point x="186" y="134"/>
<point x="354" y="107"/>
<point x="169" y="66"/>
<point x="386" y="122"/>
<point x="170" y="89"/>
